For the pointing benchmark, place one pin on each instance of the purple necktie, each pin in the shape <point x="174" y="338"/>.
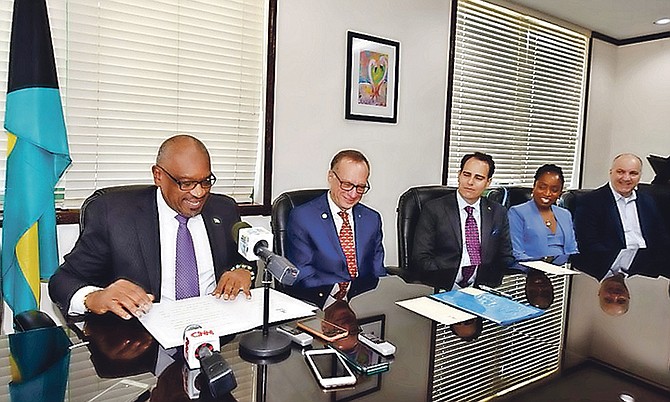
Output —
<point x="186" y="268"/>
<point x="472" y="245"/>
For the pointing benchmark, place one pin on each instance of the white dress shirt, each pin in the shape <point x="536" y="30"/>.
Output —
<point x="465" y="257"/>
<point x="168" y="226"/>
<point x="629" y="219"/>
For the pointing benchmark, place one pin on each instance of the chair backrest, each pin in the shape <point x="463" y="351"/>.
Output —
<point x="410" y="204"/>
<point x="517" y="195"/>
<point x="497" y="194"/>
<point x="570" y="198"/>
<point x="281" y="208"/>
<point x="97" y="193"/>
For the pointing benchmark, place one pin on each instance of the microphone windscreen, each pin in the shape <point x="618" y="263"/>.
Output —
<point x="235" y="231"/>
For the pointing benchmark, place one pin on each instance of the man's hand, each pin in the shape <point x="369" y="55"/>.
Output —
<point x="122" y="298"/>
<point x="232" y="282"/>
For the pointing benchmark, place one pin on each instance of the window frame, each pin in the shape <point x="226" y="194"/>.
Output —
<point x="577" y="166"/>
<point x="71" y="215"/>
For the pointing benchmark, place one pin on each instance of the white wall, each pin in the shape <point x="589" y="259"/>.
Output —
<point x="309" y="113"/>
<point x="627" y="112"/>
<point x="628" y="106"/>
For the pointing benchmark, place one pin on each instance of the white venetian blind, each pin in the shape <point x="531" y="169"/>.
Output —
<point x="518" y="93"/>
<point x="133" y="73"/>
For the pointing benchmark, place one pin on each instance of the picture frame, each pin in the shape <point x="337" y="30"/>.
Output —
<point x="372" y="78"/>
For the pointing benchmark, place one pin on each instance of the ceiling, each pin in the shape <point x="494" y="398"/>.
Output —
<point x="618" y="19"/>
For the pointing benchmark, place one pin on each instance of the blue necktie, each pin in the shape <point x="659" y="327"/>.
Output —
<point x="186" y="268"/>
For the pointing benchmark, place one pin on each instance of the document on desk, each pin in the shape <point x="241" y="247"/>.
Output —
<point x="549" y="268"/>
<point x="166" y="321"/>
<point x="498" y="309"/>
<point x="435" y="310"/>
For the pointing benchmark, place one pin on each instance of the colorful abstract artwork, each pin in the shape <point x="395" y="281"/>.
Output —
<point x="373" y="78"/>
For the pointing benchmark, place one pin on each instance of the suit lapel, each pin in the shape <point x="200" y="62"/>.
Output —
<point x="146" y="227"/>
<point x="214" y="228"/>
<point x="614" y="215"/>
<point x="359" y="228"/>
<point x="453" y="215"/>
<point x="326" y="219"/>
<point x="486" y="216"/>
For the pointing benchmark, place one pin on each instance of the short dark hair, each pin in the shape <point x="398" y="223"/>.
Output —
<point x="351" y="154"/>
<point x="549" y="168"/>
<point x="482" y="157"/>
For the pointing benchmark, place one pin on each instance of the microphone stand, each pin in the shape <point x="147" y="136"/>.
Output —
<point x="263" y="343"/>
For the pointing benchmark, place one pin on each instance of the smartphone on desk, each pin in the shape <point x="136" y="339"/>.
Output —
<point x="364" y="360"/>
<point x="329" y="368"/>
<point x="325" y="330"/>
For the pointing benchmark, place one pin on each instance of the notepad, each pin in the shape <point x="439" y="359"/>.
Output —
<point x="498" y="309"/>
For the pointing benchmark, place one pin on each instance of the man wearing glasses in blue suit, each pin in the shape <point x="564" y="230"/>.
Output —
<point x="334" y="240"/>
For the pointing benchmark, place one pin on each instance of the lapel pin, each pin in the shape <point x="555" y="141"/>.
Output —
<point x="324" y="216"/>
<point x="216" y="220"/>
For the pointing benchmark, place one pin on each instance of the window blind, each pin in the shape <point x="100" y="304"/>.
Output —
<point x="517" y="93"/>
<point x="502" y="358"/>
<point x="135" y="73"/>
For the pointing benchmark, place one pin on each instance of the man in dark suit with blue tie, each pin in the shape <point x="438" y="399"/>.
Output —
<point x="334" y="240"/>
<point x="462" y="238"/>
<point x="129" y="253"/>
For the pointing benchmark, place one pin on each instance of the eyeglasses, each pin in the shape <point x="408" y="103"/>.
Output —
<point x="347" y="186"/>
<point x="188" y="185"/>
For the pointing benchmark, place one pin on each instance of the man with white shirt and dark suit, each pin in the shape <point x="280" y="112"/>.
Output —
<point x="463" y="239"/>
<point x="164" y="242"/>
<point x="615" y="218"/>
<point x="620" y="233"/>
<point x="334" y="240"/>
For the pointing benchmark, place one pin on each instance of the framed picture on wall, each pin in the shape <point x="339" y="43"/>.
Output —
<point x="372" y="78"/>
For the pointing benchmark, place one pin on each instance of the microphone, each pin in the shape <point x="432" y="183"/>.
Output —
<point x="201" y="350"/>
<point x="255" y="243"/>
<point x="217" y="373"/>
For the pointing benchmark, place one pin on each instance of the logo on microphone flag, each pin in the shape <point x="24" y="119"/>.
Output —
<point x="37" y="156"/>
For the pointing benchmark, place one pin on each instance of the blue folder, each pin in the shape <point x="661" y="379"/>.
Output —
<point x="498" y="309"/>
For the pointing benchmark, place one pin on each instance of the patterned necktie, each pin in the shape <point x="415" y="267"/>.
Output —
<point x="472" y="245"/>
<point x="347" y="243"/>
<point x="186" y="267"/>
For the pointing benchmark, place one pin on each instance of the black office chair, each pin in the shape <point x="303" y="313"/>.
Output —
<point x="497" y="194"/>
<point x="410" y="204"/>
<point x="282" y="207"/>
<point x="97" y="193"/>
<point x="570" y="198"/>
<point x="517" y="195"/>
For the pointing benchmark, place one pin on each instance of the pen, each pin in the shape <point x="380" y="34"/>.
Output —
<point x="495" y="292"/>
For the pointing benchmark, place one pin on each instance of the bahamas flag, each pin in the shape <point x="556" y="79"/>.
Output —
<point x="37" y="155"/>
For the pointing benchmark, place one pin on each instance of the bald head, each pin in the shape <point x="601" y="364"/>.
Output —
<point x="625" y="173"/>
<point x="178" y="143"/>
<point x="613" y="296"/>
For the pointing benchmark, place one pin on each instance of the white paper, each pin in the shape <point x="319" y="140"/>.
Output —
<point x="435" y="310"/>
<point x="549" y="268"/>
<point x="166" y="321"/>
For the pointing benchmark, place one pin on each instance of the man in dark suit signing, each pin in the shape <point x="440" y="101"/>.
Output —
<point x="462" y="238"/>
<point x="334" y="240"/>
<point x="164" y="242"/>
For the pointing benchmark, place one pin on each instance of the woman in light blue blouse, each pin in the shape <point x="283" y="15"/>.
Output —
<point x="539" y="228"/>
